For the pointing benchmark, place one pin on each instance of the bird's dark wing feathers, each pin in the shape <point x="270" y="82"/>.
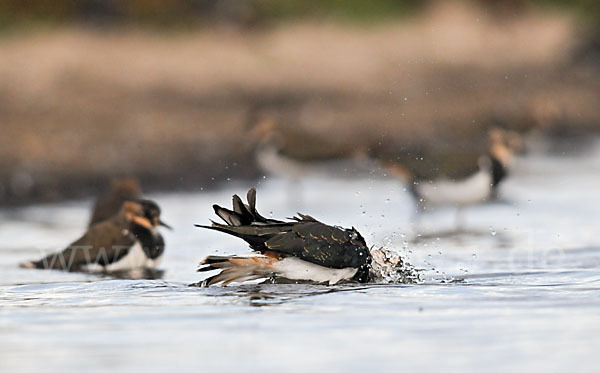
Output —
<point x="243" y="214"/>
<point x="320" y="244"/>
<point x="254" y="235"/>
<point x="230" y="217"/>
<point x="303" y="237"/>
<point x="320" y="231"/>
<point x="103" y="244"/>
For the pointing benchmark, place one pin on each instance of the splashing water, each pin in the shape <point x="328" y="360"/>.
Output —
<point x="388" y="267"/>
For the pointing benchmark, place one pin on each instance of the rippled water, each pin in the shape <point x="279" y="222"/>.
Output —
<point x="517" y="288"/>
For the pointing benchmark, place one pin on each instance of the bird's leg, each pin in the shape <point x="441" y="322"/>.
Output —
<point x="459" y="219"/>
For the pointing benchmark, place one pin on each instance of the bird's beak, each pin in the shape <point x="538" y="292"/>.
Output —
<point x="142" y="222"/>
<point x="160" y="222"/>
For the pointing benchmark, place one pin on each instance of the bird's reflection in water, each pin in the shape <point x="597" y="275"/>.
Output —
<point x="271" y="292"/>
<point x="136" y="274"/>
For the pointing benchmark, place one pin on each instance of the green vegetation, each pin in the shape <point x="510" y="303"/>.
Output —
<point x="587" y="10"/>
<point x="186" y="13"/>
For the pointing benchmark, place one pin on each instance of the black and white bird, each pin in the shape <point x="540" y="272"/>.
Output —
<point x="302" y="249"/>
<point x="477" y="187"/>
<point x="127" y="241"/>
<point x="293" y="153"/>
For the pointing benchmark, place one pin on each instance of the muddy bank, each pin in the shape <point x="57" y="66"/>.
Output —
<point x="78" y="107"/>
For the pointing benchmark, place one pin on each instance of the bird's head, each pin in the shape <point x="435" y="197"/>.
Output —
<point x="143" y="213"/>
<point x="503" y="144"/>
<point x="152" y="213"/>
<point x="265" y="130"/>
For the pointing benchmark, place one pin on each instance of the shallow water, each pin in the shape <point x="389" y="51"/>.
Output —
<point x="518" y="287"/>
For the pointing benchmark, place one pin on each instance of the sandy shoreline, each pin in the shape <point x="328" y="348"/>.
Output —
<point x="78" y="107"/>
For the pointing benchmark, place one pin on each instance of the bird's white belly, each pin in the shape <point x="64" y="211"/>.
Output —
<point x="275" y="163"/>
<point x="474" y="189"/>
<point x="135" y="258"/>
<point x="297" y="269"/>
<point x="270" y="160"/>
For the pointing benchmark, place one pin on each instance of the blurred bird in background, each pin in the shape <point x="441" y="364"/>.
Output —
<point x="121" y="190"/>
<point x="293" y="153"/>
<point x="127" y="241"/>
<point x="443" y="188"/>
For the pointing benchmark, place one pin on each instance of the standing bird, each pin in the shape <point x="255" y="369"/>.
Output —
<point x="293" y="153"/>
<point x="478" y="187"/>
<point x="129" y="240"/>
<point x="121" y="190"/>
<point x="302" y="249"/>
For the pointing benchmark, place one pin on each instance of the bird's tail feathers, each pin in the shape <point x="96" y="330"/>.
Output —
<point x="236" y="268"/>
<point x="242" y="214"/>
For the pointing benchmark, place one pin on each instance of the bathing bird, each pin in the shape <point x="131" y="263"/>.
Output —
<point x="121" y="190"/>
<point x="301" y="249"/>
<point x="128" y="240"/>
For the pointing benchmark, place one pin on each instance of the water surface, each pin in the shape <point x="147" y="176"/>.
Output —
<point x="518" y="287"/>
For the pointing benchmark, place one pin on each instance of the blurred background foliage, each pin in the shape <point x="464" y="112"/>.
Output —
<point x="91" y="89"/>
<point x="165" y="14"/>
